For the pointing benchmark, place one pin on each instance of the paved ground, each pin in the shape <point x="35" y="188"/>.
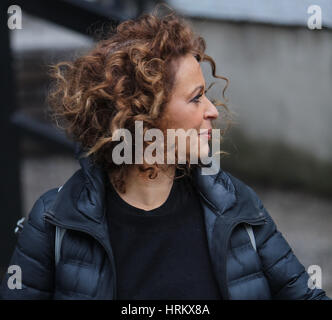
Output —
<point x="305" y="220"/>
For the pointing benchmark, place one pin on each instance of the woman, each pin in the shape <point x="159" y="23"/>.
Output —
<point x="148" y="230"/>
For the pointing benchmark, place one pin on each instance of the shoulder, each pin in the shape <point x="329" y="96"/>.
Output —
<point x="249" y="195"/>
<point x="41" y="205"/>
<point x="71" y="188"/>
<point x="225" y="191"/>
<point x="243" y="190"/>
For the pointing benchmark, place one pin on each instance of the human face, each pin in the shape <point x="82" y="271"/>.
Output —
<point x="188" y="107"/>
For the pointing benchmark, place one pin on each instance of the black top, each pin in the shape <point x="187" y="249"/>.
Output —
<point x="161" y="253"/>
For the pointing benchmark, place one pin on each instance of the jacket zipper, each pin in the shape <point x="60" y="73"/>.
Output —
<point x="53" y="221"/>
<point x="257" y="221"/>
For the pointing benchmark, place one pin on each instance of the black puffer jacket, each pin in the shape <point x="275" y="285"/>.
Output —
<point x="86" y="267"/>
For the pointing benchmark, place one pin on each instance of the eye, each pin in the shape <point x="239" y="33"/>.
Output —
<point x="196" y="99"/>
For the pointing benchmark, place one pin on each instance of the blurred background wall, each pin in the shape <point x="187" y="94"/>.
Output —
<point x="280" y="87"/>
<point x="280" y="76"/>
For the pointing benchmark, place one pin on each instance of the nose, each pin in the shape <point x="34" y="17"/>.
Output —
<point x="211" y="111"/>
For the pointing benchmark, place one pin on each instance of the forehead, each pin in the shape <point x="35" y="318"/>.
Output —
<point x="188" y="74"/>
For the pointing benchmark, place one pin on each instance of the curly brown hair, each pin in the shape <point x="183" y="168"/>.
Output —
<point x="127" y="76"/>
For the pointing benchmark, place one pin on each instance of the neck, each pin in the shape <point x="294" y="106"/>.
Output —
<point x="145" y="193"/>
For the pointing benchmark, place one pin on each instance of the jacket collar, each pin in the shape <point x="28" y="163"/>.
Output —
<point x="81" y="200"/>
<point x="216" y="190"/>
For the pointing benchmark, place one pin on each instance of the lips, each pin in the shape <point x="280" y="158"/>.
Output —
<point x="208" y="133"/>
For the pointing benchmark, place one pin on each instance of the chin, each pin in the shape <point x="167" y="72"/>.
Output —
<point x="204" y="152"/>
<point x="204" y="148"/>
<point x="200" y="151"/>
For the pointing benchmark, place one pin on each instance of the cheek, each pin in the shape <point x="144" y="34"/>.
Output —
<point x="185" y="116"/>
<point x="193" y="119"/>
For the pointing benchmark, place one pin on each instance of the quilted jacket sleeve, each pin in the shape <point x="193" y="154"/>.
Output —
<point x="34" y="254"/>
<point x="287" y="277"/>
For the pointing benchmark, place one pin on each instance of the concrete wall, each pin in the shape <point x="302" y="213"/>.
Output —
<point x="280" y="81"/>
<point x="280" y="87"/>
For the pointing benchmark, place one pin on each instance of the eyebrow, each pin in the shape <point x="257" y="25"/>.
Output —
<point x="196" y="89"/>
